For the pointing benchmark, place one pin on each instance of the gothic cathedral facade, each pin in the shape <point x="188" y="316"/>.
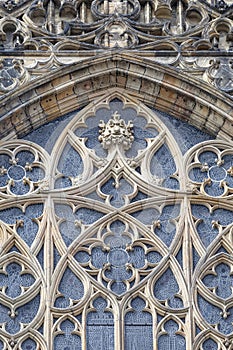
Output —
<point x="116" y="175"/>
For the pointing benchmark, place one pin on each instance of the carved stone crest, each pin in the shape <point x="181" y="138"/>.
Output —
<point x="116" y="132"/>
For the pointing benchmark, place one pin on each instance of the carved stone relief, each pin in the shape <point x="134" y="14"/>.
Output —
<point x="186" y="35"/>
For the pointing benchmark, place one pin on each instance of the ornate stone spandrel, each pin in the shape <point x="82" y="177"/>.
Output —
<point x="116" y="35"/>
<point x="116" y="134"/>
<point x="220" y="74"/>
<point x="12" y="74"/>
<point x="123" y="8"/>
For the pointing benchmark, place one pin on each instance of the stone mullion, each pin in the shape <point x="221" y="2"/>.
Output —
<point x="119" y="329"/>
<point x="48" y="266"/>
<point x="187" y="254"/>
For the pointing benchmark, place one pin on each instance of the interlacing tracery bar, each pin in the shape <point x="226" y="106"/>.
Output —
<point x="110" y="233"/>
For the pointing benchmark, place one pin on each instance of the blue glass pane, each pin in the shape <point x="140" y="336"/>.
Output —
<point x="100" y="327"/>
<point x="94" y="195"/>
<point x="214" y="315"/>
<point x="222" y="281"/>
<point x="210" y="344"/>
<point x="117" y="227"/>
<point x="138" y="327"/>
<point x="185" y="134"/>
<point x="116" y="191"/>
<point x="146" y="216"/>
<point x="208" y="157"/>
<point x="69" y="231"/>
<point x="140" y="196"/>
<point x="27" y="227"/>
<point x="91" y="135"/>
<point x="88" y="216"/>
<point x="205" y="228"/>
<point x="36" y="174"/>
<point x="62" y="182"/>
<point x="67" y="341"/>
<point x="16" y="172"/>
<point x="228" y="161"/>
<point x="166" y="288"/>
<point x="140" y="136"/>
<point x="98" y="257"/>
<point x="23" y="314"/>
<point x="82" y="257"/>
<point x="214" y="189"/>
<point x="20" y="188"/>
<point x="4" y="161"/>
<point x="13" y="280"/>
<point x="197" y="175"/>
<point x="171" y="340"/>
<point x="25" y="157"/>
<point x="165" y="229"/>
<point x="225" y="217"/>
<point x="68" y="227"/>
<point x="70" y="163"/>
<point x="71" y="287"/>
<point x="138" y="258"/>
<point x="222" y="250"/>
<point x="47" y="134"/>
<point x="163" y="167"/>
<point x="29" y="344"/>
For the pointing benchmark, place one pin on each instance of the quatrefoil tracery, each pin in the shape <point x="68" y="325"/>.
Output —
<point x="116" y="218"/>
<point x="22" y="169"/>
<point x="211" y="169"/>
<point x="118" y="261"/>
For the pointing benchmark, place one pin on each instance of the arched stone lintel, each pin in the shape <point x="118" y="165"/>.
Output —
<point x="158" y="86"/>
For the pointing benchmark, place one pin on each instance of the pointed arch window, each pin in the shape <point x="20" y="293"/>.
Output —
<point x="116" y="233"/>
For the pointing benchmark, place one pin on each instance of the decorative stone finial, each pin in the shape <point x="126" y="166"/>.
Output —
<point x="116" y="132"/>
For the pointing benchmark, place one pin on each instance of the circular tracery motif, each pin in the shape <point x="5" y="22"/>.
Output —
<point x="217" y="174"/>
<point x="118" y="257"/>
<point x="114" y="246"/>
<point x="16" y="172"/>
<point x="119" y="261"/>
<point x="210" y="168"/>
<point x="21" y="170"/>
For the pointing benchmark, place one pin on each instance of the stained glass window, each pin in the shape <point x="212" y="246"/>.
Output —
<point x="116" y="233"/>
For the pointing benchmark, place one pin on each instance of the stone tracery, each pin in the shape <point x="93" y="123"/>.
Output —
<point x="123" y="249"/>
<point x="192" y="33"/>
